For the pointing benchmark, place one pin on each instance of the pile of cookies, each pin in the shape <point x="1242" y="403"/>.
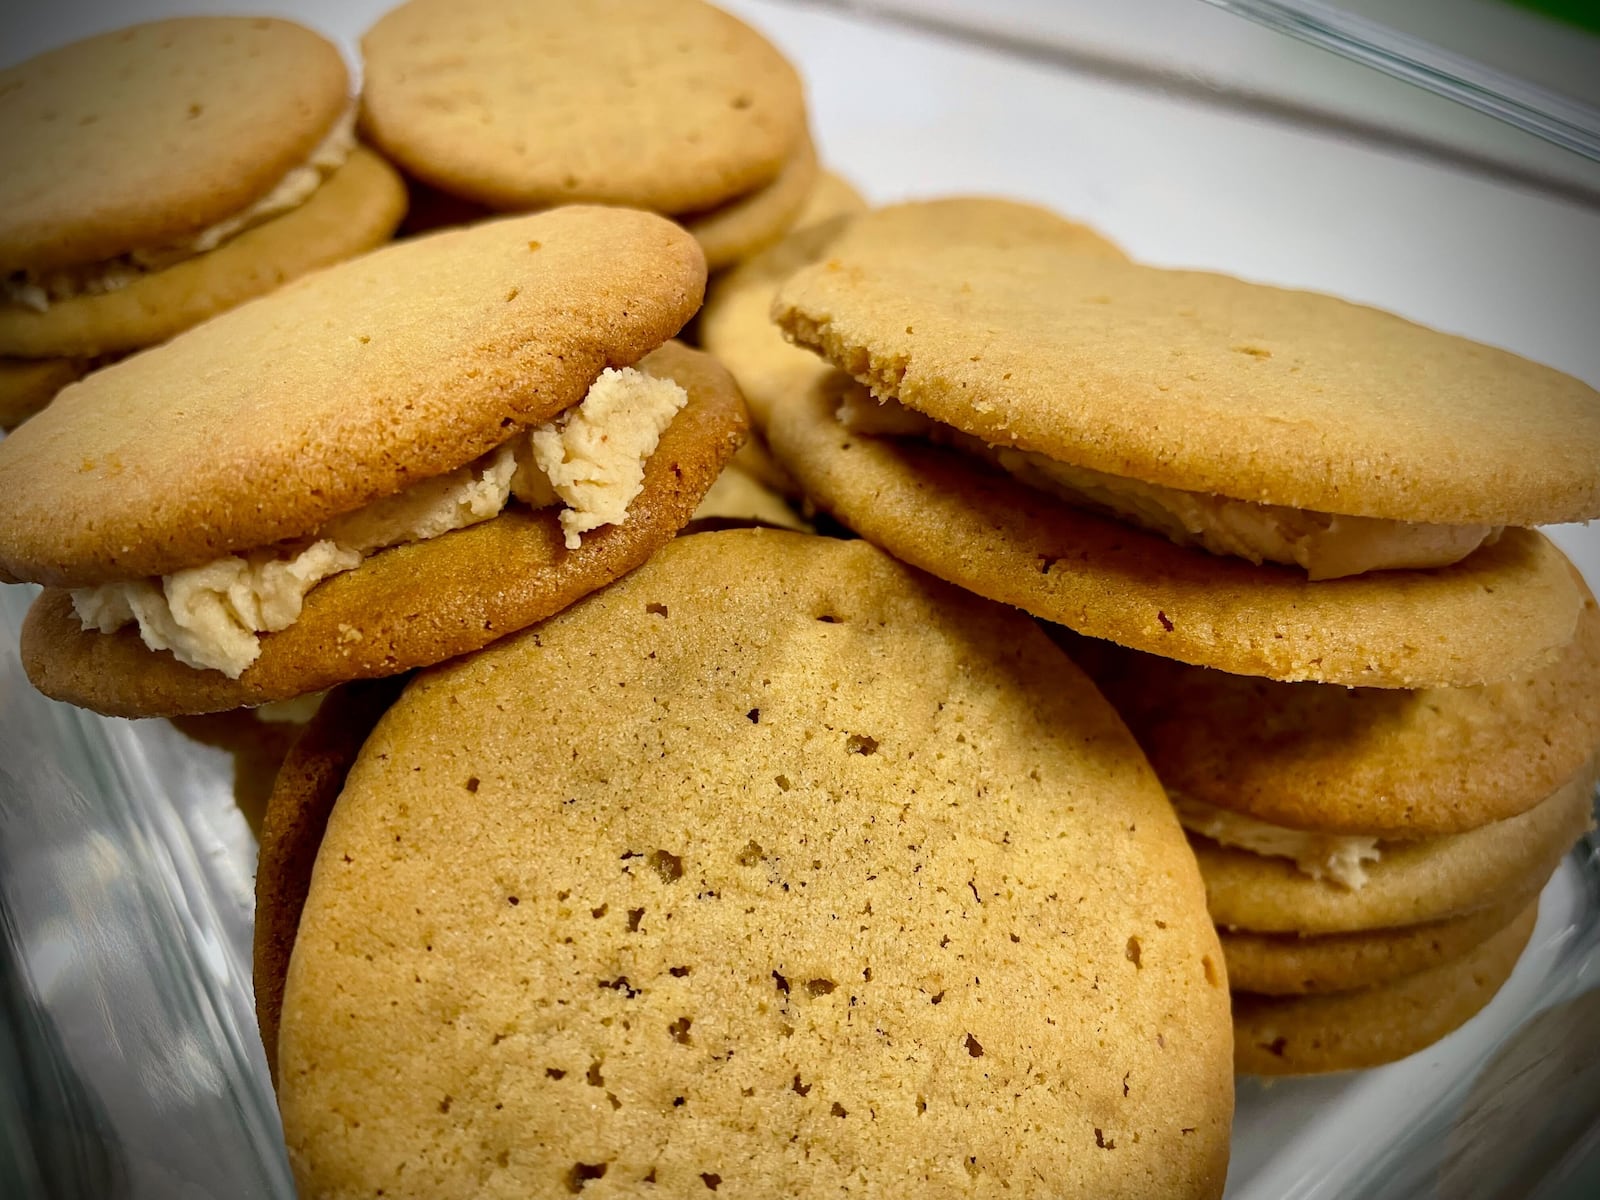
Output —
<point x="1184" y="689"/>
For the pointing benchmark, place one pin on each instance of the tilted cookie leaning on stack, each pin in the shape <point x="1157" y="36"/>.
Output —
<point x="776" y="868"/>
<point x="668" y="105"/>
<point x="156" y="175"/>
<point x="354" y="475"/>
<point x="1269" y="484"/>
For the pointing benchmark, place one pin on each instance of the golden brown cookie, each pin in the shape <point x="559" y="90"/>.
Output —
<point x="1288" y="964"/>
<point x="28" y="384"/>
<point x="737" y="323"/>
<point x="739" y="498"/>
<point x="1205" y="383"/>
<point x="1502" y="612"/>
<point x="338" y="389"/>
<point x="356" y="209"/>
<point x="1347" y="1031"/>
<point x="1385" y="763"/>
<point x="831" y="195"/>
<point x="143" y="136"/>
<point x="776" y="868"/>
<point x="307" y="784"/>
<point x="736" y="229"/>
<point x="1412" y="883"/>
<point x="413" y="604"/>
<point x="669" y="105"/>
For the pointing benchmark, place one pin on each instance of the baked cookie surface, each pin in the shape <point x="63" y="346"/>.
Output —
<point x="145" y="135"/>
<point x="1345" y="1031"/>
<point x="1386" y="763"/>
<point x="737" y="325"/>
<point x="356" y="209"/>
<point x="337" y="389"/>
<point x="776" y="869"/>
<point x="670" y="105"/>
<point x="413" y="604"/>
<point x="1502" y="612"/>
<point x="1413" y="882"/>
<point x="735" y="230"/>
<point x="1206" y="383"/>
<point x="1291" y="964"/>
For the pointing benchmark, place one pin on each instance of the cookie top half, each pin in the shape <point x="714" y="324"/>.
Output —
<point x="1208" y="384"/>
<point x="776" y="863"/>
<point x="342" y="387"/>
<point x="143" y="136"/>
<point x="671" y="105"/>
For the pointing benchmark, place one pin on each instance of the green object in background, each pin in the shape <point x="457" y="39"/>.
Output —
<point x="1585" y="14"/>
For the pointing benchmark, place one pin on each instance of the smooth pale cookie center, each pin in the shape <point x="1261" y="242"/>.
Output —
<point x="1340" y="860"/>
<point x="1326" y="545"/>
<point x="37" y="290"/>
<point x="590" y="458"/>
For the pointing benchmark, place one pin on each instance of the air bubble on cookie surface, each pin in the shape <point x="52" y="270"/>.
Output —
<point x="584" y="1173"/>
<point x="668" y="866"/>
<point x="1134" y="950"/>
<point x="860" y="743"/>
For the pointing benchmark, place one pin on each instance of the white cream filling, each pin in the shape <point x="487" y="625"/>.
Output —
<point x="1336" y="858"/>
<point x="38" y="289"/>
<point x="590" y="458"/>
<point x="1325" y="545"/>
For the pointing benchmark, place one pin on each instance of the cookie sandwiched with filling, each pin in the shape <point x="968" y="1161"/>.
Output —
<point x="385" y="464"/>
<point x="1266" y="482"/>
<point x="154" y="176"/>
<point x="777" y="868"/>
<point x="669" y="105"/>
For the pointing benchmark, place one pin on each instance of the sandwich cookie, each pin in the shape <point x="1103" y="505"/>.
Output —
<point x="352" y="477"/>
<point x="1346" y="1031"/>
<point x="1267" y="482"/>
<point x="1358" y="762"/>
<point x="153" y="176"/>
<point x="668" y="105"/>
<point x="776" y="868"/>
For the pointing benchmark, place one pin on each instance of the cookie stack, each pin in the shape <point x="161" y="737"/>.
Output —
<point x="154" y="176"/>
<point x="1294" y="496"/>
<point x="667" y="105"/>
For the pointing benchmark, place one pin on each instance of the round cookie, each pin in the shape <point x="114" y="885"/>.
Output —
<point x="737" y="324"/>
<point x="775" y="867"/>
<point x="28" y="384"/>
<point x="1205" y="383"/>
<point x="1499" y="613"/>
<point x="143" y="136"/>
<point x="307" y="784"/>
<point x="669" y="105"/>
<point x="738" y="228"/>
<point x="413" y="604"/>
<point x="1347" y="1031"/>
<point x="340" y="388"/>
<point x="1384" y="763"/>
<point x="1277" y="964"/>
<point x="1412" y="883"/>
<point x="355" y="209"/>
